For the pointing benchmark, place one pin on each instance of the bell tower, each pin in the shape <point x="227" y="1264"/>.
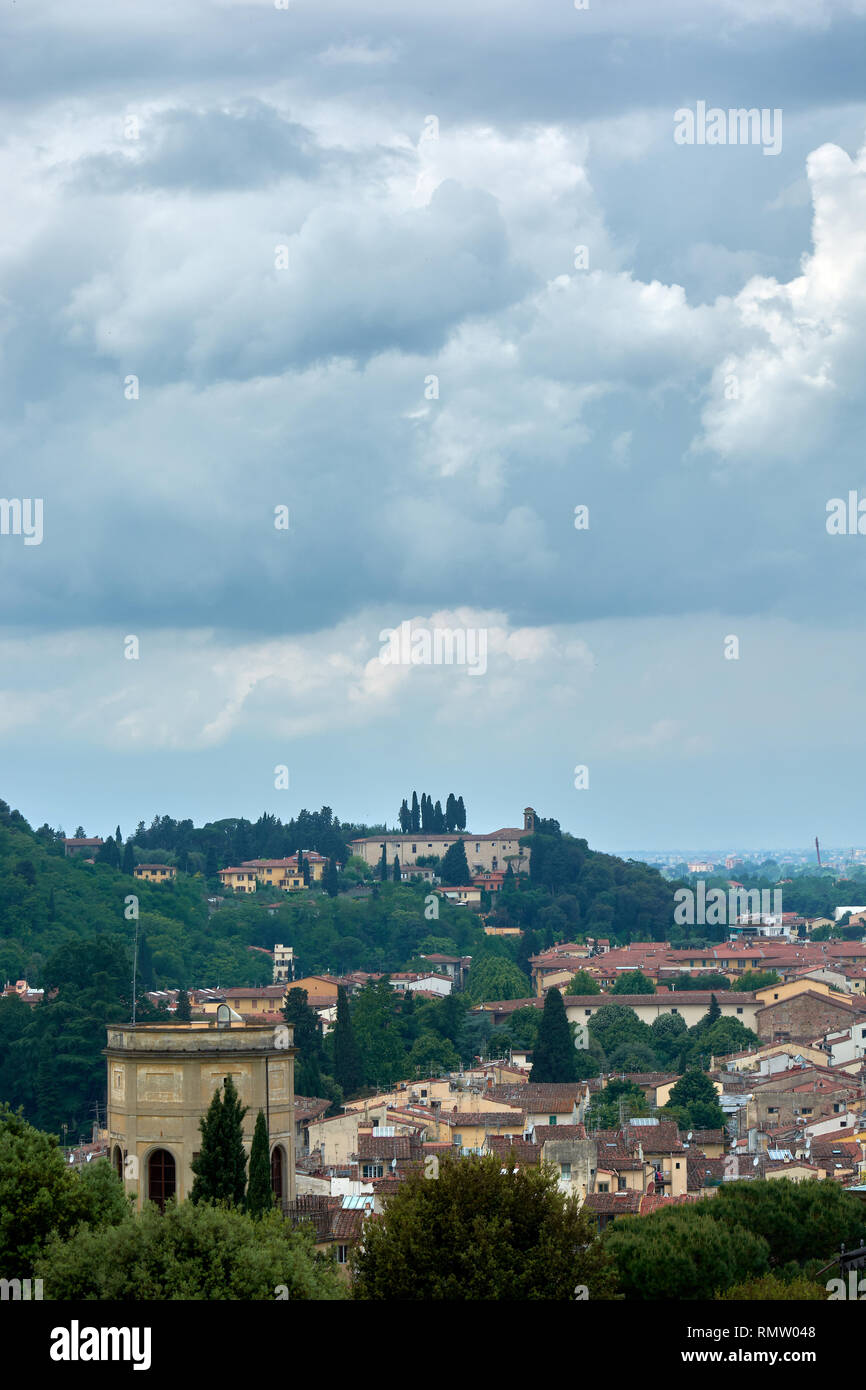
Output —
<point x="529" y="821"/>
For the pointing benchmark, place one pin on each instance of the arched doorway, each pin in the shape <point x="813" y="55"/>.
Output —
<point x="118" y="1161"/>
<point x="277" y="1185"/>
<point x="161" y="1177"/>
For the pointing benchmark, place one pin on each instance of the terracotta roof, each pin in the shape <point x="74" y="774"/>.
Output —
<point x="523" y="1150"/>
<point x="494" y="1118"/>
<point x="371" y="1146"/>
<point x="626" y="1203"/>
<point x="544" y="1132"/>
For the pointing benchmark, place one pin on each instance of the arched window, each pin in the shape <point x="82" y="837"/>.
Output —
<point x="118" y="1161"/>
<point x="161" y="1179"/>
<point x="277" y="1172"/>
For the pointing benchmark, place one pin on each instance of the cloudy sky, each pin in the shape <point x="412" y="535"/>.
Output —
<point x="326" y="258"/>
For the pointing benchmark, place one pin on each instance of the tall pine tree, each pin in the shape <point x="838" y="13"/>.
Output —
<point x="331" y="881"/>
<point x="454" y="869"/>
<point x="461" y="814"/>
<point x="405" y="818"/>
<point x="260" y="1196"/>
<point x="347" y="1060"/>
<point x="398" y="878"/>
<point x="220" y="1169"/>
<point x="553" y="1057"/>
<point x="416" y="814"/>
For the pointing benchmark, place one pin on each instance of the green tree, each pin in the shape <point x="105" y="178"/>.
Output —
<point x="397" y="875"/>
<point x="432" y="1053"/>
<point x="128" y="865"/>
<point x="694" y="1101"/>
<point x="183" y="1013"/>
<point x="682" y="1253"/>
<point x="260" y="1196"/>
<point x="798" y="1220"/>
<point x="347" y="1061"/>
<point x="383" y="866"/>
<point x="190" y="1253"/>
<point x="617" y="1102"/>
<point x="476" y="1232"/>
<point x="614" y="1025"/>
<point x="40" y="1195"/>
<point x="220" y="1168"/>
<point x="633" y="982"/>
<point x="331" y="881"/>
<point x="583" y="983"/>
<point x="379" y="1036"/>
<point x="496" y="977"/>
<point x="553" y="1054"/>
<point x="415" y="814"/>
<point x="454" y="869"/>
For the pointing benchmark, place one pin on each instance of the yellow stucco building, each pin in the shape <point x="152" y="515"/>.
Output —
<point x="161" y="1078"/>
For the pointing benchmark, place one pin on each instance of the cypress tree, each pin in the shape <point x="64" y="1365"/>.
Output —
<point x="144" y="973"/>
<point x="438" y="818"/>
<point x="714" y="1012"/>
<point x="220" y="1169"/>
<point x="330" y="878"/>
<point x="308" y="1040"/>
<point x="553" y="1057"/>
<point x="347" y="1059"/>
<point x="211" y="863"/>
<point x="260" y="1196"/>
<point x="182" y="1013"/>
<point x="397" y="874"/>
<point x="461" y="814"/>
<point x="405" y="818"/>
<point x="383" y="865"/>
<point x="128" y="858"/>
<point x="450" y="813"/>
<point x="415" y="814"/>
<point x="454" y="868"/>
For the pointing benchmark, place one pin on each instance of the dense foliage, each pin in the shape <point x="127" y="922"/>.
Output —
<point x="190" y="1252"/>
<point x="41" y="1196"/>
<point x="745" y="1232"/>
<point x="481" y="1232"/>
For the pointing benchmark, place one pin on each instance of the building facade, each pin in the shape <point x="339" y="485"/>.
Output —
<point x="484" y="853"/>
<point x="161" y="1078"/>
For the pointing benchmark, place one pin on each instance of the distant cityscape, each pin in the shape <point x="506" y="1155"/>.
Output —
<point x="707" y="860"/>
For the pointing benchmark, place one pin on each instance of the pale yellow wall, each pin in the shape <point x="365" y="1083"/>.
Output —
<point x="478" y="859"/>
<point x="243" y="880"/>
<point x="337" y="1138"/>
<point x="160" y="1083"/>
<point x="773" y="993"/>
